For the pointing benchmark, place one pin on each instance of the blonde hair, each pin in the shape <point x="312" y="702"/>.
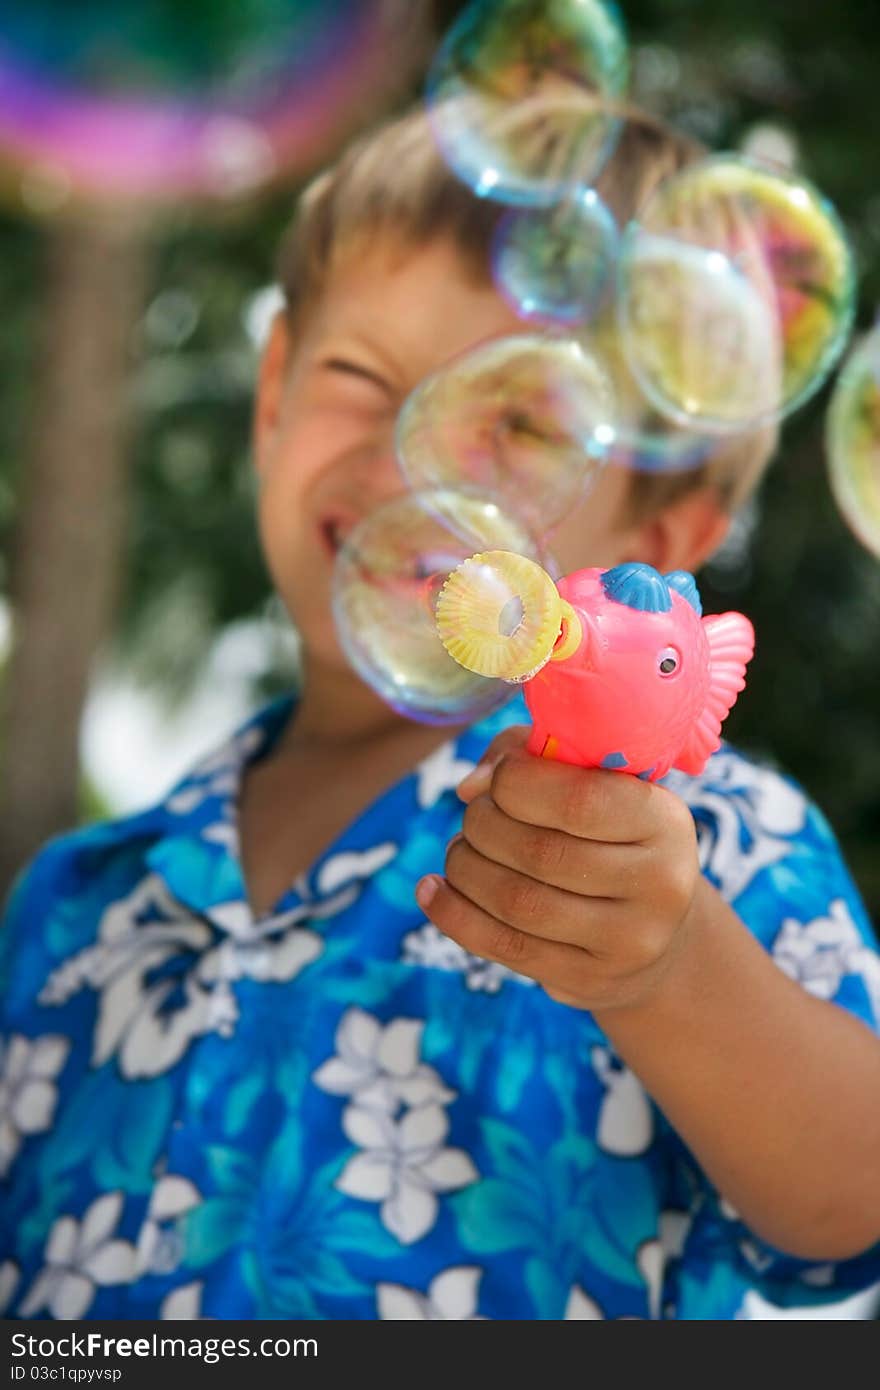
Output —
<point x="393" y="183"/>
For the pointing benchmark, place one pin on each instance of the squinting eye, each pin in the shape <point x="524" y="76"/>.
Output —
<point x="359" y="373"/>
<point x="668" y="661"/>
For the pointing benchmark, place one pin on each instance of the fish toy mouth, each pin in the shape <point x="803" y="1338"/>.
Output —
<point x="500" y="615"/>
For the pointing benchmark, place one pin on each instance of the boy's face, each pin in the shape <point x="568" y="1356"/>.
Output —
<point x="327" y="402"/>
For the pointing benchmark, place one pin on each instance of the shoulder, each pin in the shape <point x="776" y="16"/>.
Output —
<point x="61" y="866"/>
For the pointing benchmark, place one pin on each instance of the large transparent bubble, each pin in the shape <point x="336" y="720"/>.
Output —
<point x="555" y="265"/>
<point x="516" y="95"/>
<point x="853" y="442"/>
<point x="386" y="581"/>
<point x="735" y="293"/>
<point x="525" y="419"/>
<point x="642" y="438"/>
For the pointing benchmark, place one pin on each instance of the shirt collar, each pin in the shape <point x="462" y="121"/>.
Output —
<point x="198" y="855"/>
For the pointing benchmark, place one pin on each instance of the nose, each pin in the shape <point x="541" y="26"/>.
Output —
<point x="375" y="476"/>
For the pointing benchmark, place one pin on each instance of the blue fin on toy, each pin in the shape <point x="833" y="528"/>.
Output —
<point x="684" y="583"/>
<point x="638" y="586"/>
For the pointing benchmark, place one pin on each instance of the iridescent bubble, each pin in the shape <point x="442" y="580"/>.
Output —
<point x="641" y="439"/>
<point x="196" y="102"/>
<point x="519" y="93"/>
<point x="736" y="294"/>
<point x="386" y="581"/>
<point x="555" y="264"/>
<point x="853" y="442"/>
<point x="525" y="419"/>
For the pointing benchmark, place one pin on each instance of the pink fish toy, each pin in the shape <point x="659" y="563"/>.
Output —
<point x="619" y="668"/>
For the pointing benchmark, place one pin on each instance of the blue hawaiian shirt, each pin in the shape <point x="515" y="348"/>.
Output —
<point x="333" y="1111"/>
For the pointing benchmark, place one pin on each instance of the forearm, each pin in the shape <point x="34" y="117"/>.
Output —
<point x="776" y="1093"/>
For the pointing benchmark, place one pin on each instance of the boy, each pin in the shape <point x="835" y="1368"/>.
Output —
<point x="227" y="1096"/>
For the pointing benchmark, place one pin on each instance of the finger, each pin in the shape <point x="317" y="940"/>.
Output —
<point x="591" y="803"/>
<point x="557" y="966"/>
<point x="531" y="907"/>
<point x="506" y="742"/>
<point x="591" y="868"/>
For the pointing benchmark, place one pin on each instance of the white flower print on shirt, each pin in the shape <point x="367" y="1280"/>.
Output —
<point x="739" y="794"/>
<point x="378" y="1066"/>
<point x="218" y="774"/>
<point x="403" y="1166"/>
<point x="148" y="1013"/>
<point x="350" y="868"/>
<point x="28" y="1094"/>
<point x="626" y="1121"/>
<point x="580" y="1305"/>
<point x="452" y="1295"/>
<point x="79" y="1256"/>
<point x="9" y="1277"/>
<point x="184" y="1304"/>
<point x="160" y="1243"/>
<point x="429" y="946"/>
<point x="440" y="772"/>
<point x="818" y="954"/>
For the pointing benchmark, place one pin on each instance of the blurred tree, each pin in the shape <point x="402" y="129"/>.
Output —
<point x="69" y="544"/>
<point x="716" y="69"/>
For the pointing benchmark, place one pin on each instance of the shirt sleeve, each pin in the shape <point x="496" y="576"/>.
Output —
<point x="774" y="858"/>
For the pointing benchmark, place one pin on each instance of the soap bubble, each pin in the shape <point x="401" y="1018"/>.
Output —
<point x="853" y="442"/>
<point x="387" y="578"/>
<point x="197" y="103"/>
<point x="736" y="294"/>
<point x="516" y="95"/>
<point x="641" y="438"/>
<point x="524" y="419"/>
<point x="555" y="265"/>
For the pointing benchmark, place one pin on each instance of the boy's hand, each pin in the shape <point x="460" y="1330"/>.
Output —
<point x="581" y="878"/>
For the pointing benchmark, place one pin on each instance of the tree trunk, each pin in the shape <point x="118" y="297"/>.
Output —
<point x="70" y="536"/>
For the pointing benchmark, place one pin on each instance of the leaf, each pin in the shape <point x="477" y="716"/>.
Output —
<point x="513" y="1157"/>
<point x="232" y="1171"/>
<point x="329" y="1274"/>
<point x="517" y="1067"/>
<point x="493" y="1216"/>
<point x="546" y="1289"/>
<point x="137" y="1136"/>
<point x="212" y="1229"/>
<point x="242" y="1096"/>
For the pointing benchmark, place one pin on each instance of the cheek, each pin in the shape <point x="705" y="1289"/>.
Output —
<point x="591" y="533"/>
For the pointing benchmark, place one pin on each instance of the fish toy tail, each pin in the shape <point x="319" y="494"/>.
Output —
<point x="731" y="639"/>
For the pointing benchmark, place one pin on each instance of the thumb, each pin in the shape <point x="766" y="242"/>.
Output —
<point x="508" y="741"/>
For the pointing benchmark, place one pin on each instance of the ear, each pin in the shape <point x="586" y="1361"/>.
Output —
<point x="271" y="381"/>
<point x="683" y="535"/>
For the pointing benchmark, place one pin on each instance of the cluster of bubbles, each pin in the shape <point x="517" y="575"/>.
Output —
<point x="158" y="104"/>
<point x="717" y="312"/>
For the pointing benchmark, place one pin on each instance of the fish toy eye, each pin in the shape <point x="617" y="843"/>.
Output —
<point x="668" y="661"/>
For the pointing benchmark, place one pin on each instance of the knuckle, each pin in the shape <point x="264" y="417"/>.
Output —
<point x="476" y="819"/>
<point x="585" y="799"/>
<point x="543" y="852"/>
<point x="649" y="944"/>
<point x="505" y="782"/>
<point x="506" y="943"/>
<point x="520" y="899"/>
<point x="456" y="854"/>
<point x="679" y="818"/>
